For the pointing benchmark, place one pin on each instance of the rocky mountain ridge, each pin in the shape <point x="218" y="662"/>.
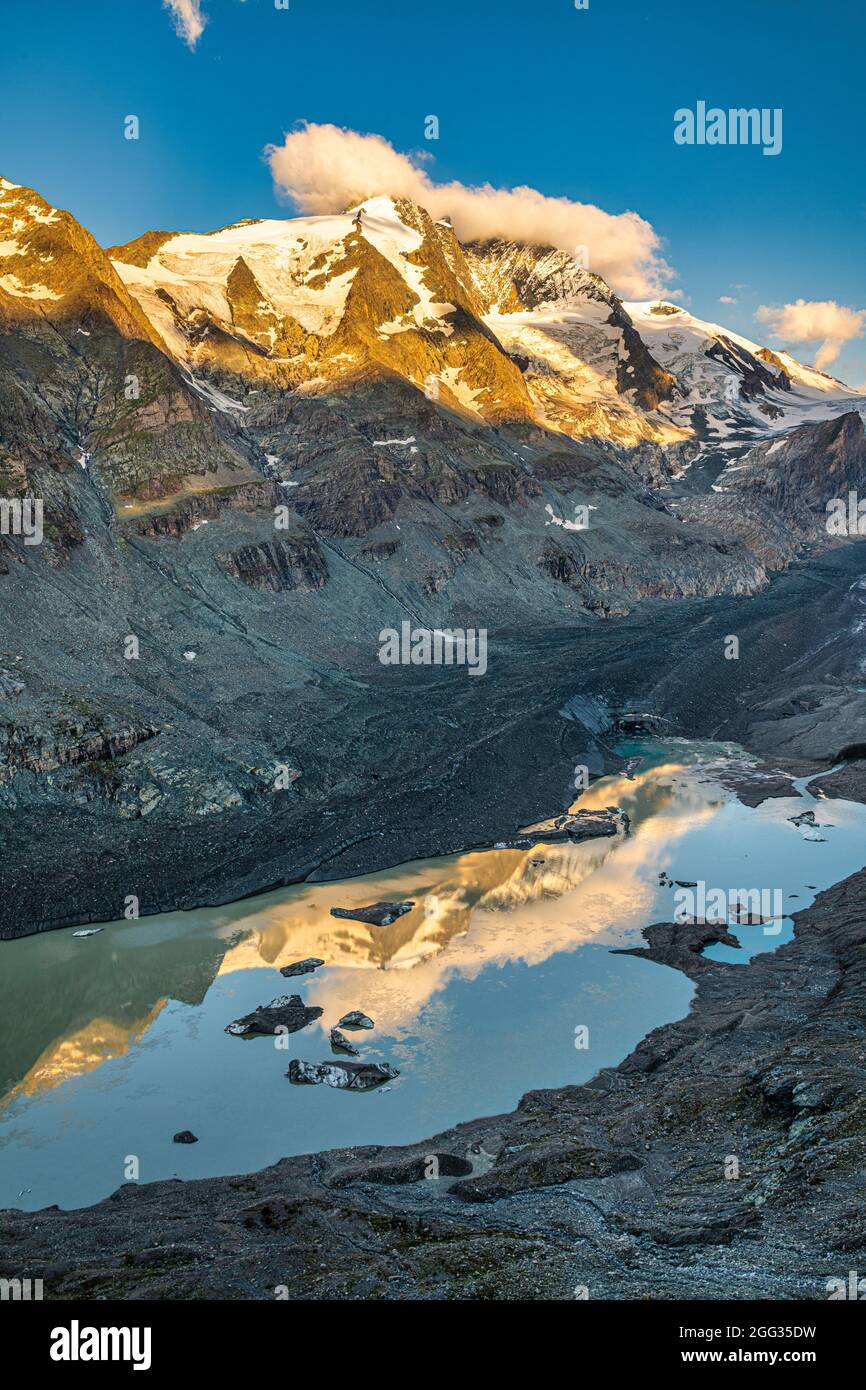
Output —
<point x="307" y="301"/>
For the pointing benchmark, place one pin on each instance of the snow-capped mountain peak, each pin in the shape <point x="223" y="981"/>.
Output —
<point x="492" y="330"/>
<point x="732" y="387"/>
<point x="304" y="301"/>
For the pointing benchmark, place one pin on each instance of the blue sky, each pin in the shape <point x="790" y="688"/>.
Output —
<point x="578" y="104"/>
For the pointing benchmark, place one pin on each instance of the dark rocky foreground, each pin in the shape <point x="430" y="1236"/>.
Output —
<point x="624" y="1187"/>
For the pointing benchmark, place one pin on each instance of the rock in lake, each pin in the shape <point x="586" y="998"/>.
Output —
<point x="343" y="1076"/>
<point x="591" y="825"/>
<point x="301" y="967"/>
<point x="377" y="915"/>
<point x="185" y="1136"/>
<point x="288" y="1014"/>
<point x="340" y="1043"/>
<point x="808" y="823"/>
<point x="582" y="825"/>
<point x="356" y="1019"/>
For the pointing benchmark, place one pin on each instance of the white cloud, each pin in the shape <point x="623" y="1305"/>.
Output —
<point x="816" y="321"/>
<point x="189" y="21"/>
<point x="726" y="299"/>
<point x="323" y="168"/>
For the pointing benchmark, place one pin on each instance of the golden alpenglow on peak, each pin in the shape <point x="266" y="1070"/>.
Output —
<point x="319" y="298"/>
<point x="52" y="267"/>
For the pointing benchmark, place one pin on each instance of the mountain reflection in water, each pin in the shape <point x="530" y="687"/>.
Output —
<point x="112" y="1043"/>
<point x="96" y="999"/>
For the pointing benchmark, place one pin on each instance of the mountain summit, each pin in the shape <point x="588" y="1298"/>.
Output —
<point x="492" y="330"/>
<point x="299" y="304"/>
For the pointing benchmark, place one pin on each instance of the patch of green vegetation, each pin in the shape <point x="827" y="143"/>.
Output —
<point x="103" y="769"/>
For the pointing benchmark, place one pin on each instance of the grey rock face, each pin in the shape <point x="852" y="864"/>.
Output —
<point x="9" y="685"/>
<point x="279" y="566"/>
<point x="798" y="474"/>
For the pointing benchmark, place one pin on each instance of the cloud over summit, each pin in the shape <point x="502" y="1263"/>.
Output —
<point x="815" y="321"/>
<point x="323" y="168"/>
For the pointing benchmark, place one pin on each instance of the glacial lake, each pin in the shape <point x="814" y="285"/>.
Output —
<point x="113" y="1043"/>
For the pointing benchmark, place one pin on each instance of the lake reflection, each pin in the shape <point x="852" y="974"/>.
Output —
<point x="113" y="1043"/>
